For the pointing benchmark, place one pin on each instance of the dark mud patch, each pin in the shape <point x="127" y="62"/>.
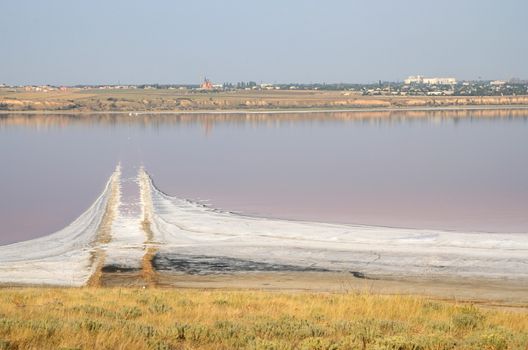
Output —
<point x="361" y="275"/>
<point x="117" y="268"/>
<point x="204" y="265"/>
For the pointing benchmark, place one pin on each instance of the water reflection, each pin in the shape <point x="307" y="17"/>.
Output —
<point x="208" y="121"/>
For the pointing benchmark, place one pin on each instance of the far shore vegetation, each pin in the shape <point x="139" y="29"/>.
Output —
<point x="85" y="100"/>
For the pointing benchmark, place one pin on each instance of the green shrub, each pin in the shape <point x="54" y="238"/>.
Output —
<point x="185" y="303"/>
<point x="265" y="344"/>
<point x="91" y="325"/>
<point x="221" y="302"/>
<point x="44" y="328"/>
<point x="366" y="331"/>
<point x="491" y="341"/>
<point x="177" y="331"/>
<point x="287" y="328"/>
<point x="439" y="326"/>
<point x="129" y="313"/>
<point x="7" y="325"/>
<point x="398" y="343"/>
<point x="145" y="331"/>
<point x="200" y="334"/>
<point x="161" y="345"/>
<point x="440" y="341"/>
<point x="6" y="345"/>
<point x="228" y="329"/>
<point x="432" y="306"/>
<point x="391" y="327"/>
<point x="159" y="308"/>
<point x="467" y="318"/>
<point x="94" y="311"/>
<point x="318" y="344"/>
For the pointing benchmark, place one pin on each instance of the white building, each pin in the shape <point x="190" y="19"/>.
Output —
<point x="497" y="83"/>
<point x="420" y="79"/>
<point x="266" y="86"/>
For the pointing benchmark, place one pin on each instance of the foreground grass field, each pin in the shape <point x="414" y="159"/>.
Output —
<point x="37" y="318"/>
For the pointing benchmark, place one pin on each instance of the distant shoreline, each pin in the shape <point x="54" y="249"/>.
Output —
<point x="165" y="101"/>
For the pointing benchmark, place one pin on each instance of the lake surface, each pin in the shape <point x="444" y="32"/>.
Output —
<point x="450" y="170"/>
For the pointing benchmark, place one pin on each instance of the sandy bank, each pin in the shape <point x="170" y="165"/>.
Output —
<point x="503" y="294"/>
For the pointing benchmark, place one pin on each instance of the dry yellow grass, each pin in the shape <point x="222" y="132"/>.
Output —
<point x="104" y="318"/>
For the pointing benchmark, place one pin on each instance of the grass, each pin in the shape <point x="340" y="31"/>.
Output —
<point x="99" y="318"/>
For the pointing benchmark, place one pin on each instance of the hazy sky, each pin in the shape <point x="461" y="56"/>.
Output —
<point x="96" y="41"/>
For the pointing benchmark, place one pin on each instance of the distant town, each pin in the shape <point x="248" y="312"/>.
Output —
<point x="417" y="85"/>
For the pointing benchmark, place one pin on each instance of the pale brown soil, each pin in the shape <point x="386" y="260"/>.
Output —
<point x="148" y="273"/>
<point x="494" y="294"/>
<point x="104" y="236"/>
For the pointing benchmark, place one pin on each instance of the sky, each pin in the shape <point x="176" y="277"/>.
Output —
<point x="65" y="42"/>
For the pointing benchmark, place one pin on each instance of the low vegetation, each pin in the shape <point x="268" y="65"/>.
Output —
<point x="96" y="318"/>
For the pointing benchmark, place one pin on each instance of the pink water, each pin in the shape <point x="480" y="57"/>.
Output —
<point x="434" y="172"/>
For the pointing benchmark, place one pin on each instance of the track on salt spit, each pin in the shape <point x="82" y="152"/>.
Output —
<point x="110" y="245"/>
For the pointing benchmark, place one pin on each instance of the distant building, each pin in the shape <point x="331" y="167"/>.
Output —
<point x="420" y="79"/>
<point x="206" y="85"/>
